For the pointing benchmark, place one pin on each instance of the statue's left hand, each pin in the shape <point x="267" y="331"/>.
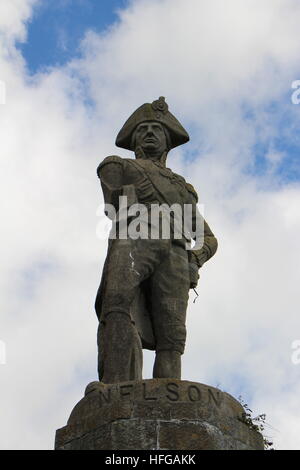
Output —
<point x="194" y="275"/>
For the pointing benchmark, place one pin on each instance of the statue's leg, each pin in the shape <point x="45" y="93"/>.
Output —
<point x="120" y="349"/>
<point x="122" y="352"/>
<point x="170" y="287"/>
<point x="167" y="364"/>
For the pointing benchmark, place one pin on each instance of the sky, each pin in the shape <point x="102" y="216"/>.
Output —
<point x="71" y="72"/>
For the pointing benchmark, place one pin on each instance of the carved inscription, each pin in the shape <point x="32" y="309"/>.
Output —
<point x="173" y="394"/>
<point x="126" y="390"/>
<point x="145" y="396"/>
<point x="194" y="393"/>
<point x="214" y="398"/>
<point x="171" y="391"/>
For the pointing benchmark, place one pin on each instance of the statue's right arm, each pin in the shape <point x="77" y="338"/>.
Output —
<point x="110" y="172"/>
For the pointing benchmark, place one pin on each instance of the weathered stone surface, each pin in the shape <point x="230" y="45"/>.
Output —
<point x="190" y="435"/>
<point x="149" y="269"/>
<point x="156" y="414"/>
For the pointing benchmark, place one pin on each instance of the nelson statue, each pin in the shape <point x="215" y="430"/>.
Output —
<point x="143" y="295"/>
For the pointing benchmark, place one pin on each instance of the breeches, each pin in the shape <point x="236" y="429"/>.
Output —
<point x="164" y="266"/>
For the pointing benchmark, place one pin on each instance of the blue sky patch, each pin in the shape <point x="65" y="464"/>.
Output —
<point x="57" y="27"/>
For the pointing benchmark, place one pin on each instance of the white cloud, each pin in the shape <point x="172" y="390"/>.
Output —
<point x="213" y="60"/>
<point x="13" y="15"/>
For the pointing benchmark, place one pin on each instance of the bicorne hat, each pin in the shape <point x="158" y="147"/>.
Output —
<point x="156" y="111"/>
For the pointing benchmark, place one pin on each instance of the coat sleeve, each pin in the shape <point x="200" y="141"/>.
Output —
<point x="209" y="248"/>
<point x="110" y="173"/>
<point x="206" y="243"/>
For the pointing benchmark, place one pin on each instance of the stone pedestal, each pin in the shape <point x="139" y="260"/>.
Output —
<point x="158" y="414"/>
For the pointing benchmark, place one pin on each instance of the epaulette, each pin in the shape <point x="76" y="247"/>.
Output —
<point x="192" y="190"/>
<point x="180" y="178"/>
<point x="109" y="159"/>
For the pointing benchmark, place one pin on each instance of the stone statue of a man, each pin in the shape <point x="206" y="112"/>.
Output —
<point x="143" y="295"/>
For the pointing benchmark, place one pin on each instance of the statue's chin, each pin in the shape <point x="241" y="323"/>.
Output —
<point x="150" y="147"/>
<point x="152" y="151"/>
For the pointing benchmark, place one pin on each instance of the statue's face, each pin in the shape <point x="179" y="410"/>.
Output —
<point x="151" y="137"/>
